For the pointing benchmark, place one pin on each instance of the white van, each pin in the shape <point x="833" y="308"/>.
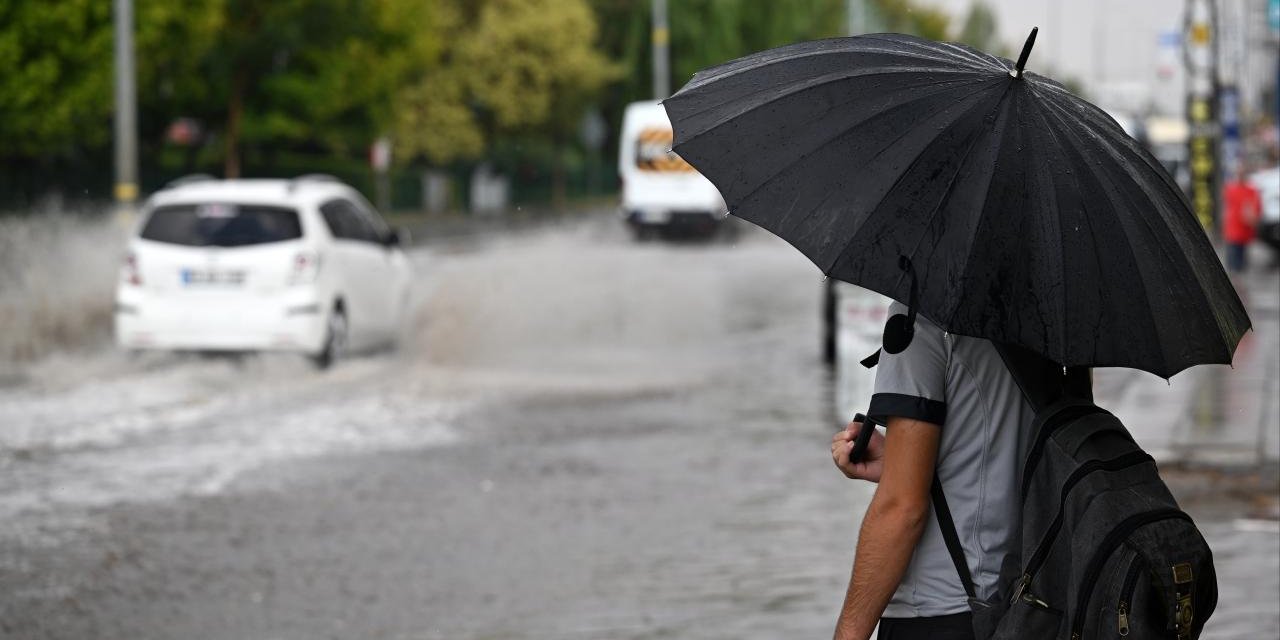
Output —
<point x="660" y="191"/>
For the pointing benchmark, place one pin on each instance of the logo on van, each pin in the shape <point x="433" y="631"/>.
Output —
<point x="653" y="151"/>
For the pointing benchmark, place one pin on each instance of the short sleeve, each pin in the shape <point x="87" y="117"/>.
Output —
<point x="912" y="383"/>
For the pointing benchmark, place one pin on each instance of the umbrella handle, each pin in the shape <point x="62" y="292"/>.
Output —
<point x="864" y="438"/>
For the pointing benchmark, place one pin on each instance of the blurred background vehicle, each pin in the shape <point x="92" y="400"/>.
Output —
<point x="661" y="193"/>
<point x="1167" y="141"/>
<point x="1267" y="182"/>
<point x="303" y="265"/>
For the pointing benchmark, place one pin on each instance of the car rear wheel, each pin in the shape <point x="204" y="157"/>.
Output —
<point x="335" y="339"/>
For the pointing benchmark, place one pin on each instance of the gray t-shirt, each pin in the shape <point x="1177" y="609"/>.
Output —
<point x="962" y="384"/>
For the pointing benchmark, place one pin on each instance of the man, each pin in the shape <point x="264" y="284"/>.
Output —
<point x="950" y="406"/>
<point x="1242" y="206"/>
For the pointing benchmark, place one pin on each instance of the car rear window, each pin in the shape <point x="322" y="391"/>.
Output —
<point x="221" y="225"/>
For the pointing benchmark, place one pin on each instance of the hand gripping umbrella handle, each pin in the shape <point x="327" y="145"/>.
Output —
<point x="864" y="438"/>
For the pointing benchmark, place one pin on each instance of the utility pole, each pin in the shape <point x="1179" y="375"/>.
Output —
<point x="1200" y="57"/>
<point x="856" y="17"/>
<point x="661" y="55"/>
<point x="126" y="112"/>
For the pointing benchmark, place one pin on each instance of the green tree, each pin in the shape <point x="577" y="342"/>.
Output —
<point x="294" y="72"/>
<point x="534" y="69"/>
<point x="56" y="66"/>
<point x="908" y="16"/>
<point x="433" y="116"/>
<point x="520" y="69"/>
<point x="55" y="76"/>
<point x="980" y="29"/>
<point x="709" y="32"/>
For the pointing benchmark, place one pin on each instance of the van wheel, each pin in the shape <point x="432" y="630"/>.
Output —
<point x="335" y="339"/>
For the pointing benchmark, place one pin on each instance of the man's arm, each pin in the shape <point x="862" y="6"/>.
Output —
<point x="892" y="525"/>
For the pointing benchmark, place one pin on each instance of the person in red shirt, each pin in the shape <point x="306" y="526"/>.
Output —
<point x="1242" y="207"/>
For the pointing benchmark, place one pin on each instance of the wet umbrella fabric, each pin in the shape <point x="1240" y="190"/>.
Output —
<point x="1027" y="214"/>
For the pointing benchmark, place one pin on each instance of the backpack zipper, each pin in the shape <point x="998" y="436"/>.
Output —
<point x="1105" y="549"/>
<point x="1126" y="594"/>
<point x="1131" y="459"/>
<point x="1042" y="437"/>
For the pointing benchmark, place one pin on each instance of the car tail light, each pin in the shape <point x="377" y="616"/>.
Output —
<point x="130" y="272"/>
<point x="306" y="266"/>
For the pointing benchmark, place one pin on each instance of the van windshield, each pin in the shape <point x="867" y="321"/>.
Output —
<point x="221" y="225"/>
<point x="653" y="152"/>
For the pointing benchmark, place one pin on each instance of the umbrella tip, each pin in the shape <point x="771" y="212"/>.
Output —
<point x="1026" y="52"/>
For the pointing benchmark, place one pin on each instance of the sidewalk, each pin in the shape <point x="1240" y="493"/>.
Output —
<point x="1211" y="415"/>
<point x="1215" y="431"/>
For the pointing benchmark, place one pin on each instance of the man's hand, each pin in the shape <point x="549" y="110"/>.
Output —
<point x="872" y="463"/>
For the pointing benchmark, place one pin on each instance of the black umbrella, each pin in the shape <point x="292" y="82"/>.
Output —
<point x="1026" y="214"/>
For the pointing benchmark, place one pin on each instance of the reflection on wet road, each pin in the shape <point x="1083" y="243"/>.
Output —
<point x="579" y="437"/>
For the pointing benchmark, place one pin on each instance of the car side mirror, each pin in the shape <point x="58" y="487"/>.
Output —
<point x="398" y="237"/>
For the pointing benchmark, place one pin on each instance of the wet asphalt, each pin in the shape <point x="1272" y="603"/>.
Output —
<point x="578" y="437"/>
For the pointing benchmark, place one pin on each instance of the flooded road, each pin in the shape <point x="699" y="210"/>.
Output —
<point x="578" y="437"/>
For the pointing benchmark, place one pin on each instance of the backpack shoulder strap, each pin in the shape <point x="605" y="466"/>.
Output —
<point x="1045" y="384"/>
<point x="951" y="538"/>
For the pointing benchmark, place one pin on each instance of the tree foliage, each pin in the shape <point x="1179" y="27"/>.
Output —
<point x="509" y="67"/>
<point x="448" y="80"/>
<point x="908" y="16"/>
<point x="980" y="29"/>
<point x="708" y="32"/>
<point x="56" y="69"/>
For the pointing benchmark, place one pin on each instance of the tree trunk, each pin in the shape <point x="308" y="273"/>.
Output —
<point x="235" y="112"/>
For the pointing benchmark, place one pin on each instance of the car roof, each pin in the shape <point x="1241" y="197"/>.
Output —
<point x="296" y="193"/>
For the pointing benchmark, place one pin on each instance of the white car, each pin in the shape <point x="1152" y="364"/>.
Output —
<point x="303" y="265"/>
<point x="1267" y="182"/>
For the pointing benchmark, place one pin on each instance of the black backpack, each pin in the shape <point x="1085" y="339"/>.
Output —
<point x="1104" y="550"/>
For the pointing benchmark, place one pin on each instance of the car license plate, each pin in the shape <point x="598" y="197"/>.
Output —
<point x="204" y="277"/>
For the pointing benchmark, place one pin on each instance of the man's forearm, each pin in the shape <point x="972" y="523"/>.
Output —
<point x="888" y="538"/>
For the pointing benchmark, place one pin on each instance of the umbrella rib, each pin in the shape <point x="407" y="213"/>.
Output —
<point x="1118" y="134"/>
<point x="1062" y="262"/>
<point x="762" y="59"/>
<point x="1104" y="182"/>
<point x="845" y="252"/>
<point x="946" y="196"/>
<point x="826" y="80"/>
<point x="948" y="49"/>
<point x="1165" y="231"/>
<point x="839" y="135"/>
<point x="965" y="268"/>
<point x="945" y="50"/>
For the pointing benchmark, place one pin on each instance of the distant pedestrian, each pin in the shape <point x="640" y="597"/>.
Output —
<point x="1242" y="206"/>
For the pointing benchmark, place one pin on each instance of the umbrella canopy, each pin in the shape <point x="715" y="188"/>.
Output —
<point x="1026" y="213"/>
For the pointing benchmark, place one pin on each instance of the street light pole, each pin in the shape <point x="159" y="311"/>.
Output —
<point x="126" y="112"/>
<point x="661" y="58"/>
<point x="856" y="17"/>
<point x="1200" y="57"/>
